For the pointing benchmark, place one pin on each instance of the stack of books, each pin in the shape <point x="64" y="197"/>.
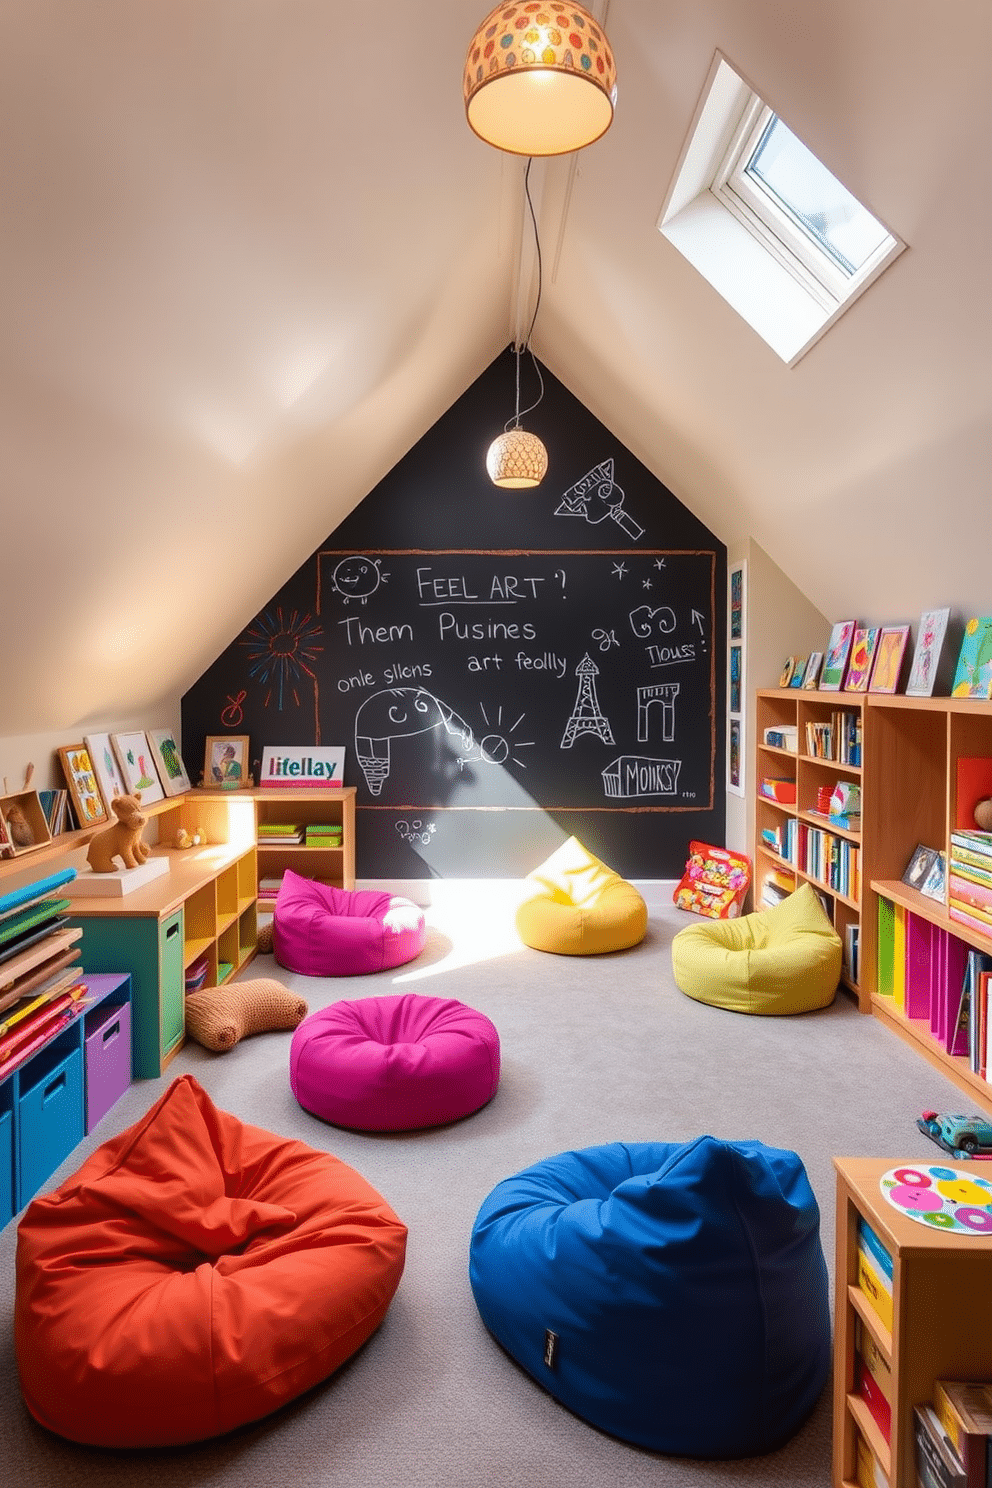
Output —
<point x="268" y="890"/>
<point x="319" y="835"/>
<point x="873" y="1378"/>
<point x="783" y="736"/>
<point x="279" y="834"/>
<point x="951" y="1435"/>
<point x="779" y="790"/>
<point x="875" y="1271"/>
<point x="839" y="740"/>
<point x="969" y="879"/>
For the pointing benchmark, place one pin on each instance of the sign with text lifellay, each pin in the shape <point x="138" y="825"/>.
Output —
<point x="302" y="768"/>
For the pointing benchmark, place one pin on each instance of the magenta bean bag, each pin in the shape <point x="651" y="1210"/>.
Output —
<point x="394" y="1063"/>
<point x="320" y="930"/>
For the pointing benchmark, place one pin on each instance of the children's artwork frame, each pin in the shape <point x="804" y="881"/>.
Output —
<point x="863" y="648"/>
<point x="168" y="761"/>
<point x="225" y="761"/>
<point x="919" y="866"/>
<point x="973" y="676"/>
<point x="889" y="655"/>
<point x="137" y="766"/>
<point x="930" y="638"/>
<point x="798" y="671"/>
<point x="811" y="676"/>
<point x="788" y="668"/>
<point x="736" y="712"/>
<point x="934" y="883"/>
<point x="105" y="767"/>
<point x="83" y="786"/>
<point x="835" y="660"/>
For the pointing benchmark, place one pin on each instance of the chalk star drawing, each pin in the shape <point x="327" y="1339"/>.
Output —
<point x="281" y="652"/>
<point x="646" y="584"/>
<point x="620" y="569"/>
<point x="358" y="578"/>
<point x="659" y="563"/>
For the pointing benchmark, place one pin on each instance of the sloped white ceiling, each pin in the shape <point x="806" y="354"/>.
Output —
<point x="251" y="251"/>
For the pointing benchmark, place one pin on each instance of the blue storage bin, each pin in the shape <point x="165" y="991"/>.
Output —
<point x="6" y="1167"/>
<point x="50" y="1117"/>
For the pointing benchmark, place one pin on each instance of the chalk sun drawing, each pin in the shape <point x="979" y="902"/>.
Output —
<point x="281" y="652"/>
<point x="495" y="749"/>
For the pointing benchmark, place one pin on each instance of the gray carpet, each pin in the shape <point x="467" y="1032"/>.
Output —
<point x="594" y="1050"/>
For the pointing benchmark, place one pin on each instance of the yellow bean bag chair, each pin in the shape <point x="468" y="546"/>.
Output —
<point x="780" y="960"/>
<point x="577" y="906"/>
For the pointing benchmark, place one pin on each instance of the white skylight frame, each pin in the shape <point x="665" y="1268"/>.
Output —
<point x="763" y="262"/>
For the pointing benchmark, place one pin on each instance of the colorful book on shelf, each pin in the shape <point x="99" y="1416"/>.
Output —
<point x="919" y="949"/>
<point x="875" y="1359"/>
<point x="970" y="917"/>
<point x="971" y="840"/>
<point x="868" y="1469"/>
<point x="937" y="1463"/>
<point x="14" y="925"/>
<point x="779" y="789"/>
<point x="16" y="897"/>
<point x="886" y="931"/>
<point x="866" y="1386"/>
<point x="875" y="1272"/>
<point x="784" y="736"/>
<point x="899" y="955"/>
<point x="971" y="866"/>
<point x="964" y="1410"/>
<point x="966" y="891"/>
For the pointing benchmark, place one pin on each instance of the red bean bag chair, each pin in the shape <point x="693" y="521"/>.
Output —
<point x="394" y="1063"/>
<point x="194" y="1275"/>
<point x="320" y="930"/>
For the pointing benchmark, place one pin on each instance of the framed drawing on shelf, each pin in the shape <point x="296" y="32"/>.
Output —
<point x="84" y="791"/>
<point x="225" y="761"/>
<point x="134" y="756"/>
<point x="973" y="677"/>
<point x="887" y="670"/>
<point x="835" y="660"/>
<point x="863" y="648"/>
<point x="105" y="767"/>
<point x="930" y="638"/>
<point x="811" y="676"/>
<point x="168" y="761"/>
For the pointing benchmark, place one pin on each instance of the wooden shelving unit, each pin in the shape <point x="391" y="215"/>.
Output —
<point x="910" y="749"/>
<point x="790" y="707"/>
<point x="941" y="1319"/>
<point x="335" y="865"/>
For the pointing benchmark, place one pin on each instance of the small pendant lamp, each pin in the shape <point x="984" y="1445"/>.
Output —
<point x="540" y="79"/>
<point x="517" y="460"/>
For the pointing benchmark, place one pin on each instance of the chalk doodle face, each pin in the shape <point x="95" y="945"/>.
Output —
<point x="357" y="578"/>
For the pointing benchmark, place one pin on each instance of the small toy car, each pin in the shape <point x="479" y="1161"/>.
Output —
<point x="968" y="1135"/>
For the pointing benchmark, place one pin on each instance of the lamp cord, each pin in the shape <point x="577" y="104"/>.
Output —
<point x="537" y="305"/>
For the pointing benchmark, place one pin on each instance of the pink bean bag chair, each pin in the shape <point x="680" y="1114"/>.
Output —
<point x="320" y="930"/>
<point x="394" y="1063"/>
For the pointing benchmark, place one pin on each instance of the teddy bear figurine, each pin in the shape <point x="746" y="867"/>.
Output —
<point x="122" y="839"/>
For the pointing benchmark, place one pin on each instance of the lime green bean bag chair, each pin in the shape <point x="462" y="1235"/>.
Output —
<point x="574" y="905"/>
<point x="780" y="960"/>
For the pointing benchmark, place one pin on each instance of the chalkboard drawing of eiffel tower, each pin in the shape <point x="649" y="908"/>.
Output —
<point x="586" y="717"/>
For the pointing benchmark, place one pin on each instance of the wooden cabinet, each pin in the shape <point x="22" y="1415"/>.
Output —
<point x="941" y="1319"/>
<point x="795" y="839"/>
<point x="330" y="808"/>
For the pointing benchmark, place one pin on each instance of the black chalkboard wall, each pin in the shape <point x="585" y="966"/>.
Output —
<point x="502" y="667"/>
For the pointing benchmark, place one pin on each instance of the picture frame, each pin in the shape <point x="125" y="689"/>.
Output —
<point x="835" y="658"/>
<point x="738" y="600"/>
<point x="887" y="670"/>
<point x="137" y="766"/>
<point x="83" y="786"/>
<point x="973" y="675"/>
<point x="105" y="767"/>
<point x="918" y="867"/>
<point x="169" y="761"/>
<point x="930" y="638"/>
<point x="225" y="761"/>
<point x="811" y="676"/>
<point x="789" y="666"/>
<point x="736" y="669"/>
<point x="933" y="884"/>
<point x="798" y="671"/>
<point x="736" y="691"/>
<point x="735" y="780"/>
<point x="863" y="648"/>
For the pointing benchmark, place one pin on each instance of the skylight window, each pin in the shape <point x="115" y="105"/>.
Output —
<point x="765" y="221"/>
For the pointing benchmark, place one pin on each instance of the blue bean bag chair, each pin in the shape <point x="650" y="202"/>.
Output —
<point x="671" y="1294"/>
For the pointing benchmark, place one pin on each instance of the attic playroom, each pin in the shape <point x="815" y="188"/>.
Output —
<point x="496" y="744"/>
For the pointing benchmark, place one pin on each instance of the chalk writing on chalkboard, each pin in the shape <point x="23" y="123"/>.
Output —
<point x="513" y="679"/>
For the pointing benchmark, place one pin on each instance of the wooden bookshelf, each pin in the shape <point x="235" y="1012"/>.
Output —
<point x="908" y="775"/>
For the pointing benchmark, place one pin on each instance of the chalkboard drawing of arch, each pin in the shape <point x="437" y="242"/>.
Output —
<point x="637" y="775"/>
<point x="400" y="713"/>
<point x="597" y="496"/>
<point x="586" y="717"/>
<point x="663" y="694"/>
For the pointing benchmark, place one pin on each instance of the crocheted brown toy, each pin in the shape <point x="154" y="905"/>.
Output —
<point x="120" y="840"/>
<point x="218" y="1017"/>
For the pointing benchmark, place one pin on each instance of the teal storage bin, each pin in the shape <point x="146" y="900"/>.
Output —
<point x="50" y="1116"/>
